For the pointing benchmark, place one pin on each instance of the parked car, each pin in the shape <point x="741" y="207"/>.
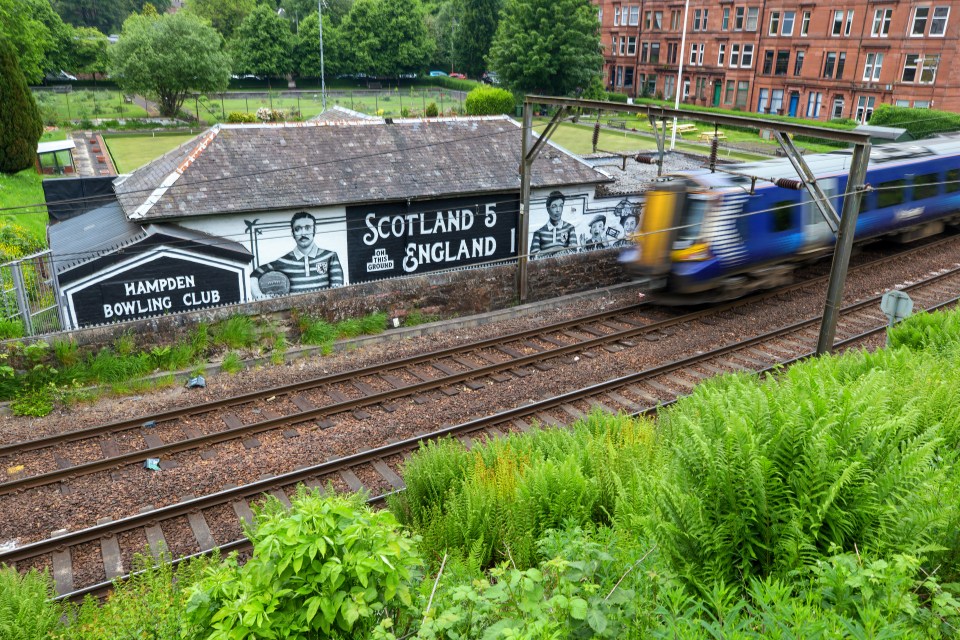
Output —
<point x="437" y="74"/>
<point x="63" y="76"/>
<point x="457" y="74"/>
<point x="490" y="77"/>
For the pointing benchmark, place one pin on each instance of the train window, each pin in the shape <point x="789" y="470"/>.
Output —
<point x="890" y="193"/>
<point x="782" y="215"/>
<point x="926" y="186"/>
<point x="690" y="221"/>
<point x="953" y="180"/>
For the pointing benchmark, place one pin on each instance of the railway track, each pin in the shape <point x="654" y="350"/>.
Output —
<point x="59" y="460"/>
<point x="85" y="561"/>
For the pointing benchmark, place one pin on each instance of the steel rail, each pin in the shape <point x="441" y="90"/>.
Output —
<point x="393" y="365"/>
<point x="330" y="467"/>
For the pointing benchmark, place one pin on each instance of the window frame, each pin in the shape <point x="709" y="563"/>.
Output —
<point x="836" y="28"/>
<point x="785" y="21"/>
<point x="634" y="16"/>
<point x="918" y="21"/>
<point x="881" y="23"/>
<point x="872" y="67"/>
<point x="767" y="68"/>
<point x="739" y="18"/>
<point x="786" y="62"/>
<point x="934" y="19"/>
<point x="725" y="20"/>
<point x="721" y="54"/>
<point x="743" y="55"/>
<point x="773" y="28"/>
<point x="753" y="17"/>
<point x="798" y="62"/>
<point x="829" y="65"/>
<point x="735" y="55"/>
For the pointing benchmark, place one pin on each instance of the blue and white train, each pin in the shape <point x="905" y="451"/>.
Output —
<point x="704" y="237"/>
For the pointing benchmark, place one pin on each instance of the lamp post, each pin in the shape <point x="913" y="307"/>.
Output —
<point x="683" y="52"/>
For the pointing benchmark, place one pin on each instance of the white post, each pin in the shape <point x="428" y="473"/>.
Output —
<point x="323" y="83"/>
<point x="683" y="52"/>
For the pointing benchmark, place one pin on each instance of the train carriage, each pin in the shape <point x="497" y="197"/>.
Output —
<point x="705" y="236"/>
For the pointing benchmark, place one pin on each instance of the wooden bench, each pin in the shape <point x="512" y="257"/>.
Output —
<point x="707" y="136"/>
<point x="618" y="124"/>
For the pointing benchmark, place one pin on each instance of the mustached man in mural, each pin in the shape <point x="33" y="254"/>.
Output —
<point x="557" y="236"/>
<point x="306" y="268"/>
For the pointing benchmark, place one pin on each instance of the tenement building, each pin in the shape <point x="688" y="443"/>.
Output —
<point x="819" y="60"/>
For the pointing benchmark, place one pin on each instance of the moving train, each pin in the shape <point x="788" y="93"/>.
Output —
<point x="705" y="237"/>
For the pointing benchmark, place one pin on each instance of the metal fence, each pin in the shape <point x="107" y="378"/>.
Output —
<point x="29" y="294"/>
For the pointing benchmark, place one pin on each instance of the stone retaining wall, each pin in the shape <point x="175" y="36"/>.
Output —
<point x="445" y="294"/>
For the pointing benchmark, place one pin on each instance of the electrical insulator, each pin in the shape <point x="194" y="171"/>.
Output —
<point x="596" y="135"/>
<point x="788" y="183"/>
<point x="645" y="159"/>
<point x="714" y="147"/>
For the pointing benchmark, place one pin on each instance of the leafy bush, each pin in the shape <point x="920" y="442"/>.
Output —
<point x="763" y="479"/>
<point x="919" y="123"/>
<point x="241" y="116"/>
<point x="488" y="101"/>
<point x="431" y="111"/>
<point x="16" y="241"/>
<point x="327" y="568"/>
<point x="612" y="96"/>
<point x="27" y="610"/>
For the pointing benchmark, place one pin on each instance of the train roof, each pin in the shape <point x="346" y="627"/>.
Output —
<point x="836" y="162"/>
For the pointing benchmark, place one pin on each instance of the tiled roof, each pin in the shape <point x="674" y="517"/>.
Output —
<point x="242" y="168"/>
<point x="337" y="113"/>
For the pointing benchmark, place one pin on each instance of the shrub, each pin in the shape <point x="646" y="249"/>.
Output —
<point x="328" y="568"/>
<point x="920" y="123"/>
<point x="612" y="96"/>
<point x="27" y="610"/>
<point x="431" y="111"/>
<point x="488" y="101"/>
<point x="240" y="116"/>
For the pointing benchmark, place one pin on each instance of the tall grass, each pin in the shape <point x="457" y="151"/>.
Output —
<point x="493" y="502"/>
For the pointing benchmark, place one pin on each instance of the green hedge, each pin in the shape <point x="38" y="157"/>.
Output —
<point x="920" y="123"/>
<point x="489" y="101"/>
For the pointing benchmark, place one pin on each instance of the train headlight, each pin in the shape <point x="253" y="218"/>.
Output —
<point x="693" y="253"/>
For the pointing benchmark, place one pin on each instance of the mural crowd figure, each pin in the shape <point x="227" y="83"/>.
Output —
<point x="307" y="267"/>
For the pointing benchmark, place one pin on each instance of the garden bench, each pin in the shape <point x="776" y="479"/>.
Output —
<point x="618" y="124"/>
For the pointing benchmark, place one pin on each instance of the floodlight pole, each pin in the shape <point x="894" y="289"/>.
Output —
<point x="323" y="82"/>
<point x="683" y="45"/>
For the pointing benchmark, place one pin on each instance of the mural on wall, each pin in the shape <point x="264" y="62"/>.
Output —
<point x="405" y="238"/>
<point x="565" y="223"/>
<point x="298" y="254"/>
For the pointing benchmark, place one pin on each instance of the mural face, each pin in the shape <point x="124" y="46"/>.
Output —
<point x="566" y="223"/>
<point x="398" y="239"/>
<point x="312" y="254"/>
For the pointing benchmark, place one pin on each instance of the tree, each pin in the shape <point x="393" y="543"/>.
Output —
<point x="30" y="38"/>
<point x="386" y="37"/>
<point x="57" y="50"/>
<point x="440" y="27"/>
<point x="307" y="50"/>
<point x="334" y="11"/>
<point x="263" y="44"/>
<point x="224" y="15"/>
<point x="547" y="46"/>
<point x="474" y="33"/>
<point x="20" y="123"/>
<point x="167" y="57"/>
<point x="88" y="52"/>
<point x="104" y="15"/>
